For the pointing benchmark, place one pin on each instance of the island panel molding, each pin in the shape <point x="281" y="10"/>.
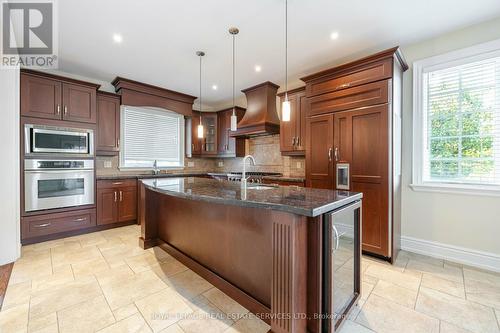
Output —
<point x="134" y="93"/>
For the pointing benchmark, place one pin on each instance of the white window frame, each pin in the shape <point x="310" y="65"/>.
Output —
<point x="454" y="58"/>
<point x="182" y="139"/>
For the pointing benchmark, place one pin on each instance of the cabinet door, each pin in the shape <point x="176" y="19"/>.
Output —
<point x="361" y="139"/>
<point x="79" y="103"/>
<point x="319" y="152"/>
<point x="127" y="207"/>
<point x="288" y="129"/>
<point x="108" y="124"/>
<point x="210" y="136"/>
<point x="223" y="132"/>
<point x="195" y="141"/>
<point x="40" y="97"/>
<point x="107" y="206"/>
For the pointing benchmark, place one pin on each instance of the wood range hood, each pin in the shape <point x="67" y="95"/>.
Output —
<point x="261" y="117"/>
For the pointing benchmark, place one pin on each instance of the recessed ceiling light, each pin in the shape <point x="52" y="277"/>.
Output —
<point x="334" y="35"/>
<point x="214" y="87"/>
<point x="258" y="68"/>
<point x="117" y="38"/>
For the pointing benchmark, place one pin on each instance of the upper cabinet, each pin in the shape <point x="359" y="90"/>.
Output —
<point x="293" y="132"/>
<point x="216" y="141"/>
<point x="108" y="123"/>
<point x="229" y="146"/>
<point x="53" y="97"/>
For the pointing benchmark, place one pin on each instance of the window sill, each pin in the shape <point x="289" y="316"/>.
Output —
<point x="457" y="189"/>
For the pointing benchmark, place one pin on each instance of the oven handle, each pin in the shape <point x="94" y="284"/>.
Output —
<point x="52" y="171"/>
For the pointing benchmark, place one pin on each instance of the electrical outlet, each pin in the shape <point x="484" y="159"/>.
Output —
<point x="221" y="164"/>
<point x="108" y="164"/>
<point x="190" y="164"/>
<point x="299" y="165"/>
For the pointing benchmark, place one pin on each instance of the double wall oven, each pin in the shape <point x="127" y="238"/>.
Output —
<point x="58" y="167"/>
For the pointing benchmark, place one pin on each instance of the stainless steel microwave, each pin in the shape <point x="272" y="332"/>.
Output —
<point x="42" y="139"/>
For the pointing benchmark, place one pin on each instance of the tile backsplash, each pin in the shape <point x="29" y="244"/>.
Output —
<point x="265" y="150"/>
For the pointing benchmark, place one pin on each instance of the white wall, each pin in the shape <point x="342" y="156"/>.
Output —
<point x="471" y="222"/>
<point x="9" y="166"/>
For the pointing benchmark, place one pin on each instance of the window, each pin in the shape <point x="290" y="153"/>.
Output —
<point x="457" y="120"/>
<point x="149" y="134"/>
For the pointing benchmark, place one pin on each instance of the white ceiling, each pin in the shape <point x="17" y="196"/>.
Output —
<point x="160" y="38"/>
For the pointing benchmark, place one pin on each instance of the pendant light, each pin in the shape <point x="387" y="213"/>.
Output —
<point x="285" y="108"/>
<point x="200" y="126"/>
<point x="234" y="120"/>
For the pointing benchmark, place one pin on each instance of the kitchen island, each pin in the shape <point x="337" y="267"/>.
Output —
<point x="290" y="255"/>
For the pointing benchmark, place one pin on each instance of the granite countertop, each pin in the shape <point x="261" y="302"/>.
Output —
<point x="296" y="200"/>
<point x="149" y="176"/>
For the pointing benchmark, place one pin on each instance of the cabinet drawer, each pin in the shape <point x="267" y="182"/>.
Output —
<point x="376" y="71"/>
<point x="116" y="183"/>
<point x="352" y="98"/>
<point x="43" y="225"/>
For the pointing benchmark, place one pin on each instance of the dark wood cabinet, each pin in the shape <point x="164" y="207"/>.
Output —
<point x="216" y="141"/>
<point x="229" y="146"/>
<point x="293" y="132"/>
<point x="42" y="227"/>
<point x="353" y="122"/>
<point x="108" y="123"/>
<point x="361" y="140"/>
<point x="116" y="201"/>
<point x="319" y="156"/>
<point x="40" y="97"/>
<point x="54" y="97"/>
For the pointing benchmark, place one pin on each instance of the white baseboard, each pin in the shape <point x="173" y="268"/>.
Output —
<point x="470" y="257"/>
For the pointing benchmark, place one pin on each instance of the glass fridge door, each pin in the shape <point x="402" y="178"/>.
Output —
<point x="343" y="262"/>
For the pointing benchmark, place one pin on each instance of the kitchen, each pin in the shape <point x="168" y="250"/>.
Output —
<point x="289" y="190"/>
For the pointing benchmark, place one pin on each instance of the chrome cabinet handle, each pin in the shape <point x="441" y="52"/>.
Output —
<point x="336" y="154"/>
<point x="298" y="141"/>
<point x="65" y="110"/>
<point x="118" y="143"/>
<point x="121" y="196"/>
<point x="330" y="154"/>
<point x="58" y="110"/>
<point x="117" y="183"/>
<point x="80" y="219"/>
<point x="115" y="196"/>
<point x="335" y="239"/>
<point x="43" y="225"/>
<point x="293" y="141"/>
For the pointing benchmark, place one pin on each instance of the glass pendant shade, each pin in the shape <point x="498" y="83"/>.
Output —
<point x="200" y="131"/>
<point x="285" y="110"/>
<point x="234" y="122"/>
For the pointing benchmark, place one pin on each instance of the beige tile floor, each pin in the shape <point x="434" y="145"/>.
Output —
<point x="103" y="282"/>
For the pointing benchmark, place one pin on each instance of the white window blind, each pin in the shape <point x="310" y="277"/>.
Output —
<point x="461" y="122"/>
<point x="149" y="135"/>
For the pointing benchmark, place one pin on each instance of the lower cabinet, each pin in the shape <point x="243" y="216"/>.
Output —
<point x="116" y="201"/>
<point x="37" y="227"/>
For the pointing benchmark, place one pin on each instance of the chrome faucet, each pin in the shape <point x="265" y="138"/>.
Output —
<point x="156" y="170"/>
<point x="244" y="174"/>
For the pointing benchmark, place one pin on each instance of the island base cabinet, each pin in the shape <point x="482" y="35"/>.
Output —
<point x="116" y="201"/>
